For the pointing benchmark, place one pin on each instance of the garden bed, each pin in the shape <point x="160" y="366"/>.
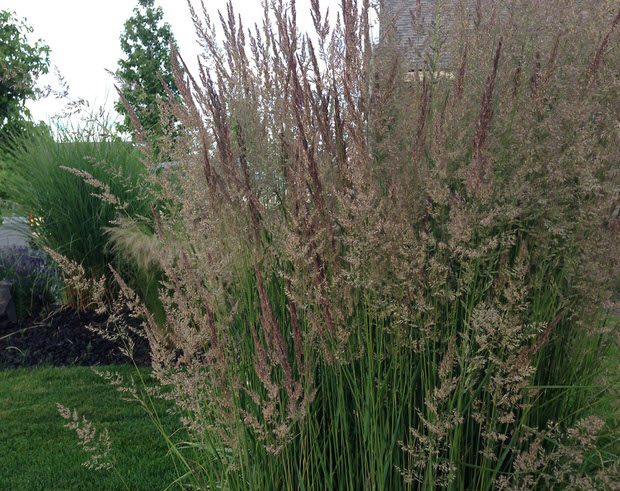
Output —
<point x="61" y="337"/>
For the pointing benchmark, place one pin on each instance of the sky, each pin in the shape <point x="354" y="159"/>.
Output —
<point x="83" y="36"/>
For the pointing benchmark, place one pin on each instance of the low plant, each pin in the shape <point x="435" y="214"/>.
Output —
<point x="35" y="279"/>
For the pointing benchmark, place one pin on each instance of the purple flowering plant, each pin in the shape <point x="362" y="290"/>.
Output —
<point x="35" y="279"/>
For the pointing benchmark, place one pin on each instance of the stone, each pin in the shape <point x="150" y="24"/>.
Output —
<point x="7" y="305"/>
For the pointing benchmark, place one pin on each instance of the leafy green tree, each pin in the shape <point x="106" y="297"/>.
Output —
<point x="146" y="44"/>
<point x="21" y="63"/>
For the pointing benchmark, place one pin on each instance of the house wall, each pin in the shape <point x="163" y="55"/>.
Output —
<point x="411" y="22"/>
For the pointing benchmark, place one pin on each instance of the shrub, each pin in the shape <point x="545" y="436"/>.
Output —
<point x="36" y="282"/>
<point x="384" y="282"/>
<point x="60" y="180"/>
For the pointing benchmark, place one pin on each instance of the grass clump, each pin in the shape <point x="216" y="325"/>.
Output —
<point x="379" y="281"/>
<point x="64" y="181"/>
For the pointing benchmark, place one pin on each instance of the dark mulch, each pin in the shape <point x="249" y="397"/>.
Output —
<point x="61" y="338"/>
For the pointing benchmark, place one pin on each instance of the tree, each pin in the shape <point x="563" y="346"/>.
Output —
<point x="146" y="43"/>
<point x="21" y="63"/>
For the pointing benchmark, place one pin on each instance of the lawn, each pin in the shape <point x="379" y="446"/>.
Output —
<point x="40" y="453"/>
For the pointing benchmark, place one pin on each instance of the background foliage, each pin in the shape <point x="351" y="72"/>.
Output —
<point x="61" y="179"/>
<point x="21" y="63"/>
<point x="146" y="44"/>
<point x="35" y="280"/>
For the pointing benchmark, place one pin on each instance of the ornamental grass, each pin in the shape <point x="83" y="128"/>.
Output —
<point x="378" y="280"/>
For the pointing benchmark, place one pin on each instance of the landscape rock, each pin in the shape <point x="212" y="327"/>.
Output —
<point x="8" y="315"/>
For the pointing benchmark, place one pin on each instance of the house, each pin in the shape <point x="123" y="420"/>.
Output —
<point x="414" y="24"/>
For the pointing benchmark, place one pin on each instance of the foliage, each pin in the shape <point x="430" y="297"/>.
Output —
<point x="8" y="209"/>
<point x="4" y="175"/>
<point x="61" y="182"/>
<point x="383" y="280"/>
<point x="146" y="44"/>
<point x="36" y="282"/>
<point x="21" y="63"/>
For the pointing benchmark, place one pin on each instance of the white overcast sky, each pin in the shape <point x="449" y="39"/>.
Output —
<point x="84" y="39"/>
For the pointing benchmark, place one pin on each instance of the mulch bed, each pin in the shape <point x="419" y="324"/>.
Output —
<point x="60" y="338"/>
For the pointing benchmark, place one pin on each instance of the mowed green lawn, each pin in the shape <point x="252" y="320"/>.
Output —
<point x="38" y="452"/>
